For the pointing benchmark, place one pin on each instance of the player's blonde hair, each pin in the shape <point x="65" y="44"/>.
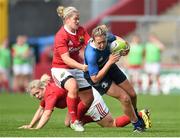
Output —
<point x="65" y="12"/>
<point x="39" y="83"/>
<point x="99" y="31"/>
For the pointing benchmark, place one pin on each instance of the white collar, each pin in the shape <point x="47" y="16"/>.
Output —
<point x="92" y="43"/>
<point x="66" y="28"/>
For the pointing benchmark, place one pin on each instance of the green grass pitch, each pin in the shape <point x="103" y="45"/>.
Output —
<point x="18" y="109"/>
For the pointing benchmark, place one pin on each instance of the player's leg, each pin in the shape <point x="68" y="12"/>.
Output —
<point x="65" y="79"/>
<point x="118" y="93"/>
<point x="124" y="84"/>
<point x="85" y="93"/>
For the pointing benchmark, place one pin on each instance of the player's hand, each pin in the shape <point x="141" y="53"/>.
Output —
<point x="84" y="67"/>
<point x="25" y="127"/>
<point x="126" y="51"/>
<point x="113" y="58"/>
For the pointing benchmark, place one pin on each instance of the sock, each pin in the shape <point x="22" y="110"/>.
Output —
<point x="122" y="121"/>
<point x="81" y="110"/>
<point x="72" y="108"/>
<point x="86" y="119"/>
<point x="139" y="115"/>
<point x="137" y="124"/>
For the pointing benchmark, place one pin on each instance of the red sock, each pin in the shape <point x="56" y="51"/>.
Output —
<point x="82" y="109"/>
<point x="72" y="108"/>
<point x="86" y="119"/>
<point x="122" y="121"/>
<point x="140" y="114"/>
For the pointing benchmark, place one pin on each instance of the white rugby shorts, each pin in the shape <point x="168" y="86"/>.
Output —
<point x="60" y="74"/>
<point x="98" y="109"/>
<point x="152" y="68"/>
<point x="23" y="69"/>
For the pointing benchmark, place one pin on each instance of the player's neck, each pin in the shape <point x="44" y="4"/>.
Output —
<point x="69" y="29"/>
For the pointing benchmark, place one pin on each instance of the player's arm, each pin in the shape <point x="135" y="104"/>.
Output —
<point x="35" y="119"/>
<point x="44" y="118"/>
<point x="48" y="109"/>
<point x="61" y="41"/>
<point x="73" y="63"/>
<point x="113" y="58"/>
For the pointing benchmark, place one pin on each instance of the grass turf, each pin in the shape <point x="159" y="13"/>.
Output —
<point x="18" y="109"/>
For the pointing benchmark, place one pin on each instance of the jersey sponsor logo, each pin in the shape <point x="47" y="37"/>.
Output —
<point x="62" y="74"/>
<point x="104" y="85"/>
<point x="70" y="43"/>
<point x="72" y="49"/>
<point x="100" y="59"/>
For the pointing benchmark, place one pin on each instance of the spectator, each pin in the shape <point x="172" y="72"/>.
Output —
<point x="5" y="64"/>
<point x="135" y="60"/>
<point x="153" y="49"/>
<point x="22" y="63"/>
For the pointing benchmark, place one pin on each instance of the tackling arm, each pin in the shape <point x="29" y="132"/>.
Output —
<point x="72" y="63"/>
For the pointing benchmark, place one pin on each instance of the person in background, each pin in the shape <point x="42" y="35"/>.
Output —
<point x="67" y="65"/>
<point x="104" y="75"/>
<point x="153" y="50"/>
<point x="5" y="64"/>
<point x="22" y="63"/>
<point x="51" y="96"/>
<point x="135" y="61"/>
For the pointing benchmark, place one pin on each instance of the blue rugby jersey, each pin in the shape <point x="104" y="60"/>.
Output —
<point x="96" y="59"/>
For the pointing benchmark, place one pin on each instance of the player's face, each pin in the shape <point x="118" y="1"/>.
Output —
<point x="100" y="42"/>
<point x="38" y="93"/>
<point x="73" y="21"/>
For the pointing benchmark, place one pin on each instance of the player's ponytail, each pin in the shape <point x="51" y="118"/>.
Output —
<point x="60" y="11"/>
<point x="45" y="79"/>
<point x="66" y="12"/>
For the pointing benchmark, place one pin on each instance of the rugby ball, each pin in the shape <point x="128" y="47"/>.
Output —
<point x="117" y="46"/>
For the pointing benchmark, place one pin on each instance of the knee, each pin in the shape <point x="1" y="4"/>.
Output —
<point x="133" y="95"/>
<point x="126" y="99"/>
<point x="87" y="97"/>
<point x="72" y="90"/>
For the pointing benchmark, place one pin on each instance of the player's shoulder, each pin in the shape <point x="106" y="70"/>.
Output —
<point x="90" y="51"/>
<point x="90" y="46"/>
<point x="61" y="34"/>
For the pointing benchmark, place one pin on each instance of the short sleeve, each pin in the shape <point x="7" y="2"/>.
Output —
<point x="91" y="61"/>
<point x="61" y="41"/>
<point x="50" y="102"/>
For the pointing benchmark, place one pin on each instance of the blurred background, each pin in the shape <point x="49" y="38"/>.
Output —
<point x="33" y="23"/>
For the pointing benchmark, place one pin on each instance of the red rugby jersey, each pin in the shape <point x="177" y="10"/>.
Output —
<point x="67" y="42"/>
<point x="54" y="97"/>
